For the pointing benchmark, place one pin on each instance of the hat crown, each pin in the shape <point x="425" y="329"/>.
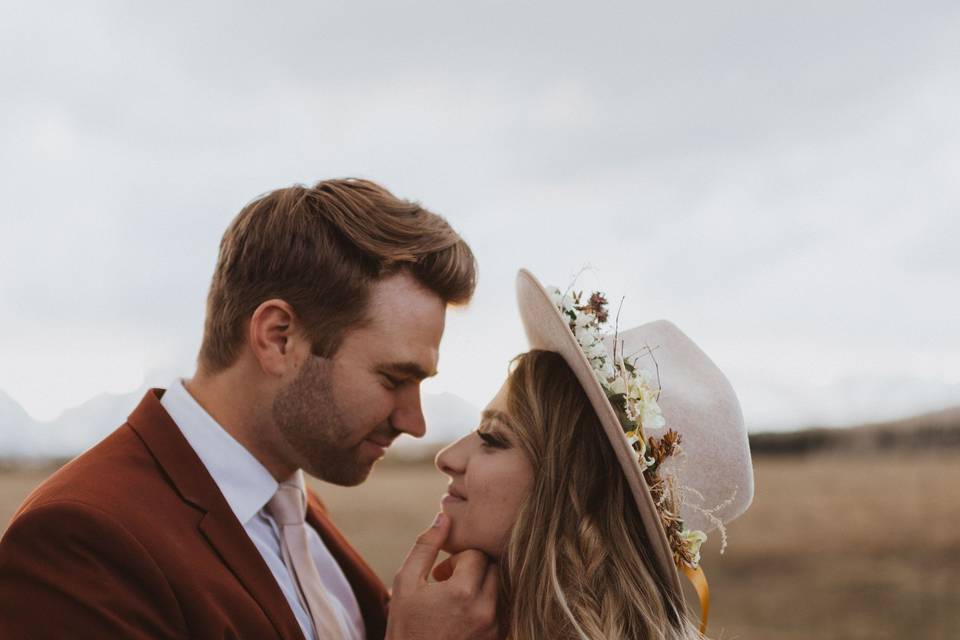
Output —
<point x="697" y="401"/>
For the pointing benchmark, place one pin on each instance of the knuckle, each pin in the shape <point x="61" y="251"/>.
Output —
<point x="480" y="619"/>
<point x="463" y="593"/>
<point x="485" y="612"/>
<point x="484" y="609"/>
<point x="489" y="613"/>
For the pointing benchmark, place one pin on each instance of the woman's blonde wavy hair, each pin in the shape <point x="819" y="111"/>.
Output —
<point x="575" y="565"/>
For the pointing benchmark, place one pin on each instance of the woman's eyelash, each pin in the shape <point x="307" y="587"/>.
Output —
<point x="490" y="440"/>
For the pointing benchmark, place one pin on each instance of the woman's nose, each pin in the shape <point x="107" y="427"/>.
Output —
<point x="452" y="459"/>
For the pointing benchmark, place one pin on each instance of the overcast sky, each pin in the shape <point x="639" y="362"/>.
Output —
<point x="779" y="179"/>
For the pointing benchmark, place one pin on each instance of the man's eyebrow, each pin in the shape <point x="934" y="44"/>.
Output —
<point x="408" y="369"/>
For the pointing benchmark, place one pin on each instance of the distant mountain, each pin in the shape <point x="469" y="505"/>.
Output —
<point x="85" y="425"/>
<point x="74" y="431"/>
<point x="928" y="431"/>
<point x="847" y="401"/>
<point x="13" y="422"/>
<point x="448" y="417"/>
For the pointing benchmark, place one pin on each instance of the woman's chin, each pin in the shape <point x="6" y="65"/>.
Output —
<point x="453" y="544"/>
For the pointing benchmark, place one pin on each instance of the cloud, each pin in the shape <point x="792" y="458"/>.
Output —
<point x="779" y="180"/>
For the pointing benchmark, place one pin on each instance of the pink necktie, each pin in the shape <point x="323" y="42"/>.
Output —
<point x="288" y="508"/>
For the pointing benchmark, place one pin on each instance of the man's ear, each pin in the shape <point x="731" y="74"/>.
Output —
<point x="274" y="338"/>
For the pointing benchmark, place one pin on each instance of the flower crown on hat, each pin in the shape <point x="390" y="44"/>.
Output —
<point x="633" y="393"/>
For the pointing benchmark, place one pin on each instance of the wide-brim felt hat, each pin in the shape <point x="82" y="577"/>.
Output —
<point x="714" y="473"/>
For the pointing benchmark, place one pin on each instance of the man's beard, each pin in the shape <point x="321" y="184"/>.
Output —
<point x="308" y="418"/>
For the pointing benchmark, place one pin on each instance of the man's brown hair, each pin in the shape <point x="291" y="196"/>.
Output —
<point x="319" y="248"/>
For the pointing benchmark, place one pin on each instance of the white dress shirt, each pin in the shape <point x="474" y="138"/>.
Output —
<point x="248" y="486"/>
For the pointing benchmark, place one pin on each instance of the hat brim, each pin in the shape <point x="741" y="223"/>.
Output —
<point x="547" y="330"/>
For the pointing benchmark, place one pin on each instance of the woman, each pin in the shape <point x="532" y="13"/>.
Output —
<point x="594" y="470"/>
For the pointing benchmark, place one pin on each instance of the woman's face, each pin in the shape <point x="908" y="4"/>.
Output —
<point x="489" y="478"/>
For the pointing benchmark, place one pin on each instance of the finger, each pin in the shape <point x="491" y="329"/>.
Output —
<point x="469" y="567"/>
<point x="491" y="584"/>
<point x="424" y="552"/>
<point x="488" y="596"/>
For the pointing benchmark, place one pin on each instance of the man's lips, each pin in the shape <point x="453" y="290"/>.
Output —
<point x="383" y="436"/>
<point x="376" y="447"/>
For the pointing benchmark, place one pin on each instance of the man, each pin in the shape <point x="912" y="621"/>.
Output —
<point x="191" y="520"/>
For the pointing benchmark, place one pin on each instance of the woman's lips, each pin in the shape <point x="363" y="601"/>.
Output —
<point x="453" y="495"/>
<point x="449" y="498"/>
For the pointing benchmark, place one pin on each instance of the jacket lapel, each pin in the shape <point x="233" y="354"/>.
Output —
<point x="218" y="524"/>
<point x="372" y="596"/>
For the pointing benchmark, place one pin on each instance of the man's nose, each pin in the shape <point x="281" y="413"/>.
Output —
<point x="408" y="415"/>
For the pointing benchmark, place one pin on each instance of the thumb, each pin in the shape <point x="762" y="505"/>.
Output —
<point x="419" y="562"/>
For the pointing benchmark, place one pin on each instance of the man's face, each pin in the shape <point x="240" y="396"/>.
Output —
<point x="339" y="414"/>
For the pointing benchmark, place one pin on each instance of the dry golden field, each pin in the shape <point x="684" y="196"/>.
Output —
<point x="864" y="546"/>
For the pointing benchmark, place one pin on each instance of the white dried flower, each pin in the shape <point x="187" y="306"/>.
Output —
<point x="692" y="540"/>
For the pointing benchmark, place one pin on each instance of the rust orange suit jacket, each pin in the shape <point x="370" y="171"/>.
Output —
<point x="133" y="539"/>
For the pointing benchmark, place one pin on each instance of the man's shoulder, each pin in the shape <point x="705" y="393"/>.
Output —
<point x="107" y="477"/>
<point x="85" y="551"/>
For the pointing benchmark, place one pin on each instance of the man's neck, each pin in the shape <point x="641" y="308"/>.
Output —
<point x="239" y="409"/>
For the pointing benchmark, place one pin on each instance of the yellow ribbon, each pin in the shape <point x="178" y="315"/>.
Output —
<point x="699" y="581"/>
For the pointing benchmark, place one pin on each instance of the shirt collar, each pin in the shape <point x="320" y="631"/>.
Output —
<point x="245" y="483"/>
